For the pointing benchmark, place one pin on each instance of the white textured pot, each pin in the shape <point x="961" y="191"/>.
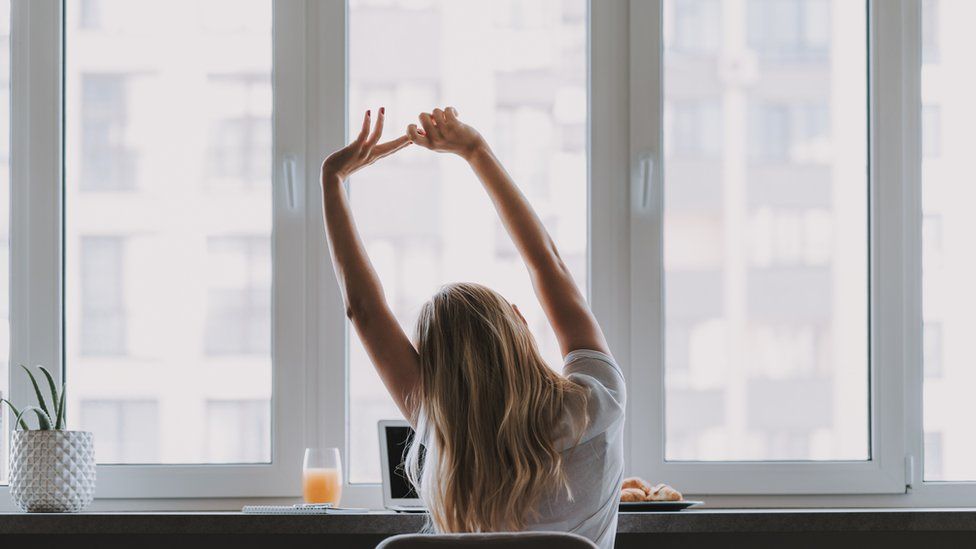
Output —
<point x="52" y="471"/>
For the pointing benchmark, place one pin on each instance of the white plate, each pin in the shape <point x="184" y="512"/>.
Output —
<point x="656" y="506"/>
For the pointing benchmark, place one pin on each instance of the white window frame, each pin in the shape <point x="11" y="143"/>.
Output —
<point x="310" y="402"/>
<point x="884" y="471"/>
<point x="36" y="253"/>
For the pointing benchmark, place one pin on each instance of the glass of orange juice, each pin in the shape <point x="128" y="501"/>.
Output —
<point x="322" y="476"/>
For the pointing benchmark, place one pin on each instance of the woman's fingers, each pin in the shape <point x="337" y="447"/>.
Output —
<point x="438" y="116"/>
<point x="390" y="147"/>
<point x="451" y="114"/>
<point x="413" y="133"/>
<point x="364" y="132"/>
<point x="429" y="127"/>
<point x="377" y="131"/>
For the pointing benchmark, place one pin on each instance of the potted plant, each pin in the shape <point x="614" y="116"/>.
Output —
<point x="52" y="469"/>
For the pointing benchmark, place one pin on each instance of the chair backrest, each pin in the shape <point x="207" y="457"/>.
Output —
<point x="508" y="540"/>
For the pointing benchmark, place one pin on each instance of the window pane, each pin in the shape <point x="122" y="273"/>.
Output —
<point x="167" y="228"/>
<point x="766" y="244"/>
<point x="948" y="256"/>
<point x="515" y="70"/>
<point x="125" y="429"/>
<point x="4" y="224"/>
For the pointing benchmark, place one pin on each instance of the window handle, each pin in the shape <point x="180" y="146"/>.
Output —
<point x="290" y="166"/>
<point x="645" y="171"/>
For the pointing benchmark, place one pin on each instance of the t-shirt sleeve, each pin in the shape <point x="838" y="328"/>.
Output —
<point x="606" y="389"/>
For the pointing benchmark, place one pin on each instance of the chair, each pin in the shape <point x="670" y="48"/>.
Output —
<point x="508" y="540"/>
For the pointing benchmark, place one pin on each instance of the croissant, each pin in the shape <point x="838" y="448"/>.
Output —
<point x="638" y="483"/>
<point x="663" y="492"/>
<point x="632" y="495"/>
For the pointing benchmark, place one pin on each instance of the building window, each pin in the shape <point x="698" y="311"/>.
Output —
<point x="696" y="128"/>
<point x="789" y="237"/>
<point x="697" y="27"/>
<point x="239" y="295"/>
<point x="240" y="138"/>
<point x="238" y="430"/>
<point x="90" y="16"/>
<point x="108" y="163"/>
<point x="790" y="31"/>
<point x="930" y="31"/>
<point x="103" y="314"/>
<point x="126" y="431"/>
<point x="797" y="132"/>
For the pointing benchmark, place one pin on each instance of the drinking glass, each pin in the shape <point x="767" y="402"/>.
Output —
<point x="322" y="476"/>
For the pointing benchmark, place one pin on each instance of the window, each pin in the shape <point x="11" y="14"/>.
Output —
<point x="930" y="31"/>
<point x="239" y="296"/>
<point x="696" y="128"/>
<point x="238" y="430"/>
<point x="424" y="218"/>
<point x="696" y="27"/>
<point x="4" y="222"/>
<point x="782" y="132"/>
<point x="766" y="307"/>
<point x="758" y="277"/>
<point x="240" y="142"/>
<point x="949" y="260"/>
<point x="790" y="31"/>
<point x="103" y="318"/>
<point x="108" y="162"/>
<point x="127" y="430"/>
<point x="167" y="280"/>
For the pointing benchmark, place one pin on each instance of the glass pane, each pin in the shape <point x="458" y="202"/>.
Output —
<point x="948" y="226"/>
<point x="516" y="71"/>
<point x="765" y="230"/>
<point x="168" y="228"/>
<point x="4" y="226"/>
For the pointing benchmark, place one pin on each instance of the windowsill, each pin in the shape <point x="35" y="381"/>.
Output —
<point x="386" y="523"/>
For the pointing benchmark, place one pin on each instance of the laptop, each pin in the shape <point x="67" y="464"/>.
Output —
<point x="398" y="493"/>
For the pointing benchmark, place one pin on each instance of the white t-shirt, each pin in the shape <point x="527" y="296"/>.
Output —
<point x="595" y="465"/>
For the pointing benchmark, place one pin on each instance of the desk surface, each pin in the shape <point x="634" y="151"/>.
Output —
<point x="384" y="523"/>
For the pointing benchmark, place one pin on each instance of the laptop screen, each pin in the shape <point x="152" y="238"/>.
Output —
<point x="397" y="442"/>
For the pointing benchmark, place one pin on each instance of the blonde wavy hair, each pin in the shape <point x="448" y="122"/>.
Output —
<point x="487" y="408"/>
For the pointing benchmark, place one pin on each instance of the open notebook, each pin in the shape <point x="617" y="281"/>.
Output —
<point x="301" y="509"/>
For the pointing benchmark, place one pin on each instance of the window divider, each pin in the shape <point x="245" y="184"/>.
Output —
<point x="35" y="193"/>
<point x="645" y="182"/>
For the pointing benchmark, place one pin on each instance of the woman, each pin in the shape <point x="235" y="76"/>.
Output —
<point x="509" y="444"/>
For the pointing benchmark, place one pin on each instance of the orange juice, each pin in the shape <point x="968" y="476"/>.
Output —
<point x="321" y="485"/>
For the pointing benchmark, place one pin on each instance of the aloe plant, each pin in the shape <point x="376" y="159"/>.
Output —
<point x="48" y="418"/>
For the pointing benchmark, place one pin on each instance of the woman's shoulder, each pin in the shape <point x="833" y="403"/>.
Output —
<point x="604" y="400"/>
<point x="586" y="365"/>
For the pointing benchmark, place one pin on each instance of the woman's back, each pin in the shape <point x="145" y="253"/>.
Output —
<point x="594" y="465"/>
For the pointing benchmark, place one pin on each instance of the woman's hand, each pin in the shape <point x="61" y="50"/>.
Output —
<point x="442" y="132"/>
<point x="365" y="150"/>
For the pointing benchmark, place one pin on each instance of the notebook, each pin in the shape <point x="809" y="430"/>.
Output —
<point x="301" y="509"/>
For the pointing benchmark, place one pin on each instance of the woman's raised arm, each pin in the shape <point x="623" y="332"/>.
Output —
<point x="389" y="348"/>
<point x="564" y="305"/>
